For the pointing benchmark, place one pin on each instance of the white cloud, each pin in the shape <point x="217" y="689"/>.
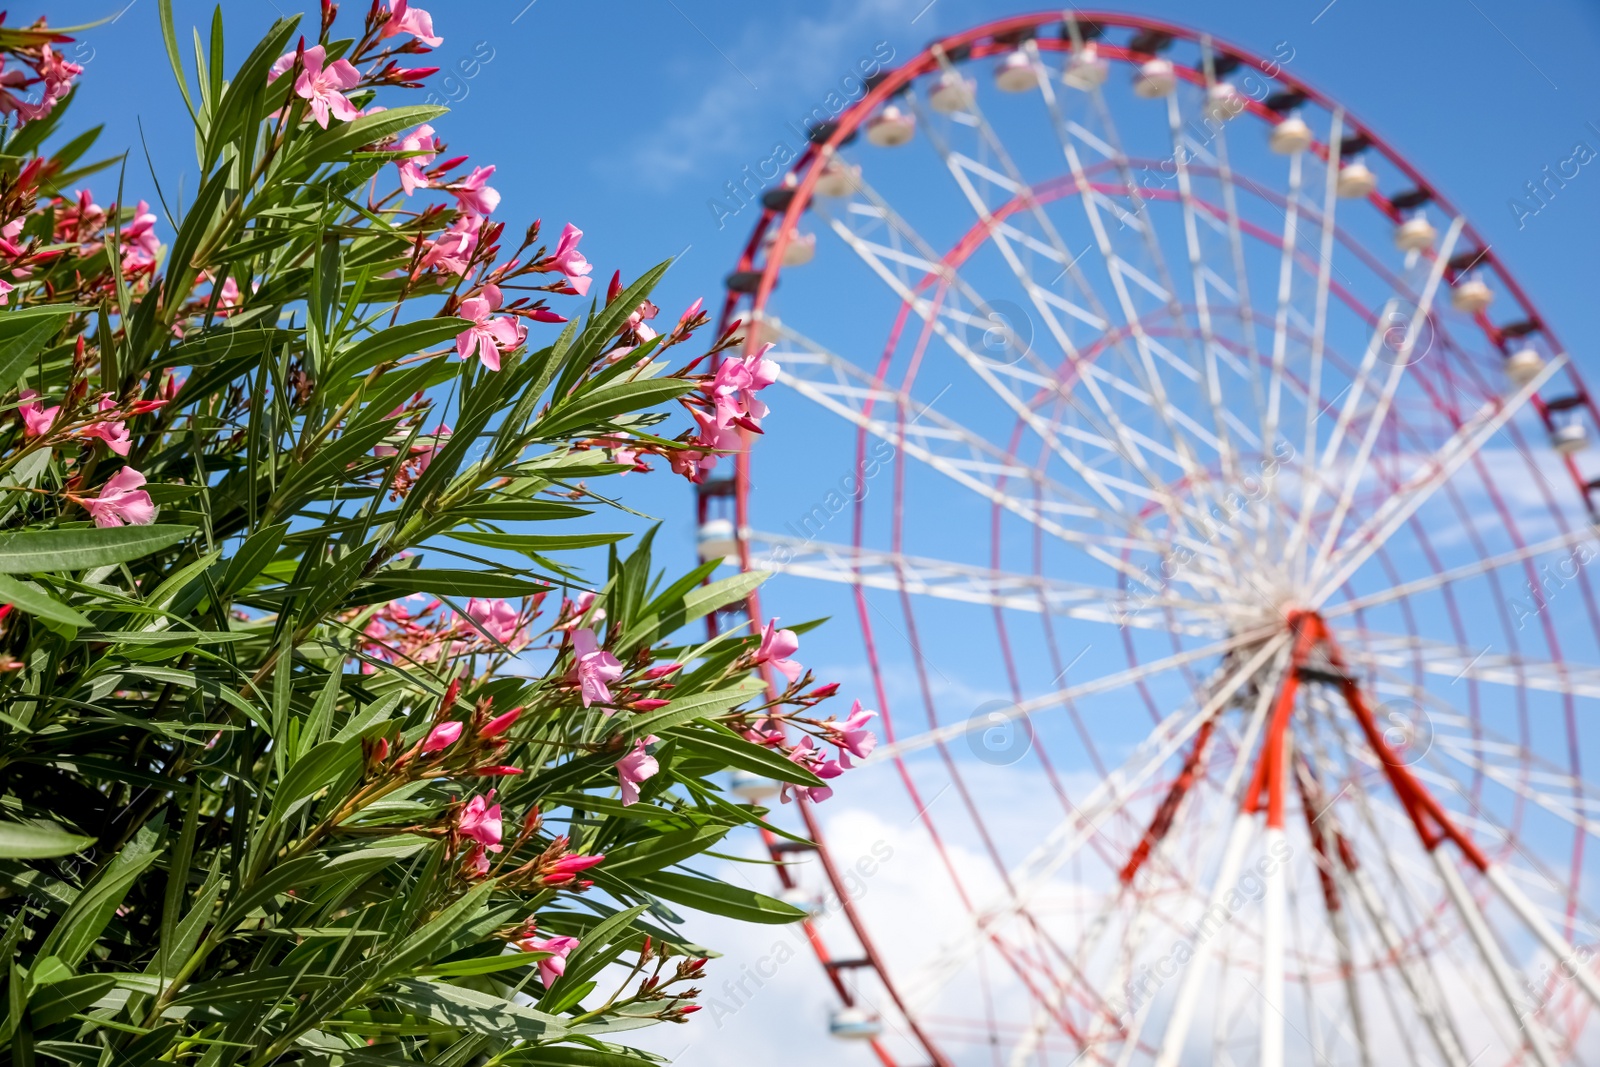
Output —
<point x="792" y="65"/>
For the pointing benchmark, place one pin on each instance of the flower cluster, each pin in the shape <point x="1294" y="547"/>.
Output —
<point x="397" y="634"/>
<point x="771" y="727"/>
<point x="43" y="76"/>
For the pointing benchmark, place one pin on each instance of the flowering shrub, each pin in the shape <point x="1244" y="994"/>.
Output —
<point x="297" y="765"/>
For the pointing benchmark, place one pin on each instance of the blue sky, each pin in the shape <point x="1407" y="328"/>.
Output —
<point x="628" y="117"/>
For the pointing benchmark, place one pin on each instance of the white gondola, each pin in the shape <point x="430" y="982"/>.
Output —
<point x="1569" y="437"/>
<point x="716" y="540"/>
<point x="801" y="249"/>
<point x="838" y="178"/>
<point x="953" y="92"/>
<point x="1223" y="101"/>
<point x="751" y="787"/>
<point x="1085" y="71"/>
<point x="1416" y="234"/>
<point x="1356" y="181"/>
<point x="891" y="127"/>
<point x="1156" y="78"/>
<point x="1014" y="74"/>
<point x="853" y="1024"/>
<point x="1471" y="296"/>
<point x="1523" y="366"/>
<point x="1290" y="137"/>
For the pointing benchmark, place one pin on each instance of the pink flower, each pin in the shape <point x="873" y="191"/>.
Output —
<point x="712" y="435"/>
<point x="498" y="771"/>
<point x="570" y="262"/>
<point x="853" y="738"/>
<point x="321" y="87"/>
<point x="498" y="619"/>
<point x="776" y="648"/>
<point x="122" y="502"/>
<point x="596" y="667"/>
<point x="736" y="384"/>
<point x="403" y="18"/>
<point x="453" y="249"/>
<point x="114" y="433"/>
<point x="441" y="737"/>
<point x="5" y="292"/>
<point x="689" y="315"/>
<point x="36" y="419"/>
<point x="563" y="869"/>
<point x="636" y="322"/>
<point x="500" y="723"/>
<point x="487" y="337"/>
<point x="420" y="140"/>
<point x="555" y="965"/>
<point x="807" y="756"/>
<point x="480" y="822"/>
<point x="57" y="73"/>
<point x="473" y="197"/>
<point x="478" y="860"/>
<point x="139" y="238"/>
<point x="693" y="465"/>
<point x="280" y="66"/>
<point x="634" y="768"/>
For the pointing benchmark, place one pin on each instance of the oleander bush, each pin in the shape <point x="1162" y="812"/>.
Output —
<point x="336" y="727"/>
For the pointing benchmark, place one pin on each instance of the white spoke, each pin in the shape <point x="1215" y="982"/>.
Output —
<point x="1459" y="574"/>
<point x="1401" y="505"/>
<point x="1493" y="958"/>
<point x="973" y="585"/>
<point x="1390" y="387"/>
<point x="1397" y="651"/>
<point x="1292" y="551"/>
<point x="1189" y="989"/>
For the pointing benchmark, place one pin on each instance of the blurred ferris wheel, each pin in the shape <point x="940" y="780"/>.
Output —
<point x="1158" y="400"/>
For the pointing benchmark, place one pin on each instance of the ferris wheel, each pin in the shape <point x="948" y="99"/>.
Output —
<point x="1215" y="509"/>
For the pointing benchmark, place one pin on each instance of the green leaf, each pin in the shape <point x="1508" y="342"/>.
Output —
<point x="572" y="1056"/>
<point x="45" y="551"/>
<point x="82" y="923"/>
<point x="405" y="339"/>
<point x="457" y="583"/>
<point x="59" y="1002"/>
<point x="297" y="873"/>
<point x="719" y="898"/>
<point x="728" y="748"/>
<point x="663" y="850"/>
<point x="595" y="408"/>
<point x="538" y="543"/>
<point x="268" y="983"/>
<point x="519" y="511"/>
<point x="344" y="138"/>
<point x="482" y="1013"/>
<point x="23" y="334"/>
<point x="33" y="841"/>
<point x="34" y="600"/>
<point x="256" y="552"/>
<point x="687" y="709"/>
<point x="315" y="770"/>
<point x="484" y="964"/>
